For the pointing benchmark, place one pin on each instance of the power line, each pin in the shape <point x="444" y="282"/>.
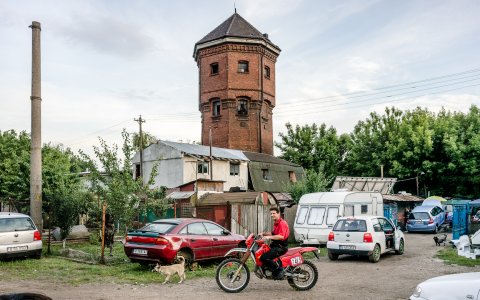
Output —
<point x="387" y="87"/>
<point x="366" y="94"/>
<point x="309" y="112"/>
<point x="93" y="133"/>
<point x="372" y="99"/>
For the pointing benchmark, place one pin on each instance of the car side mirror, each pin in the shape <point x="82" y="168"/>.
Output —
<point x="225" y="232"/>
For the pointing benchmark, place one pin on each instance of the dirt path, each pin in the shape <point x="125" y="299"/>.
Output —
<point x="394" y="277"/>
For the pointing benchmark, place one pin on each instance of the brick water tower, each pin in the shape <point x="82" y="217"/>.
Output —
<point x="236" y="67"/>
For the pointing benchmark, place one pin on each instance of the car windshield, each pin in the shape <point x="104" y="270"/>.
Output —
<point x="350" y="225"/>
<point x="158" y="227"/>
<point x="16" y="224"/>
<point x="419" y="216"/>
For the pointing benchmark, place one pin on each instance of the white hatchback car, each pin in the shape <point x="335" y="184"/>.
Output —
<point x="364" y="236"/>
<point x="19" y="236"/>
<point x="449" y="287"/>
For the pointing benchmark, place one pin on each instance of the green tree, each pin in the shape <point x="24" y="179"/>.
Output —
<point x="312" y="182"/>
<point x="112" y="180"/>
<point x="312" y="146"/>
<point x="147" y="140"/>
<point x="64" y="196"/>
<point x="15" y="166"/>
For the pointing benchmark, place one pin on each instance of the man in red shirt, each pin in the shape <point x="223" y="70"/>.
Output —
<point x="279" y="244"/>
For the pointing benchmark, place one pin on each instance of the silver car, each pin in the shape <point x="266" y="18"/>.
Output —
<point x="460" y="286"/>
<point x="19" y="237"/>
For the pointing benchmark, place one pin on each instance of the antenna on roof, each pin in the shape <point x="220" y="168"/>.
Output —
<point x="234" y="8"/>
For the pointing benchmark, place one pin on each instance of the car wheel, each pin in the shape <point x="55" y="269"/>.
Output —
<point x="332" y="256"/>
<point x="401" y="248"/>
<point x="188" y="257"/>
<point x="375" y="256"/>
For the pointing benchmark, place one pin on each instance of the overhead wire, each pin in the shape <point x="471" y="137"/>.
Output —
<point x="385" y="87"/>
<point x="309" y="112"/>
<point x="366" y="94"/>
<point x="345" y="103"/>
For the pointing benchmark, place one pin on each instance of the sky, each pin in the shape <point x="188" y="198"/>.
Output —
<point x="105" y="63"/>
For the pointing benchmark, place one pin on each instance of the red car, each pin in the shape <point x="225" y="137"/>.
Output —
<point x="194" y="239"/>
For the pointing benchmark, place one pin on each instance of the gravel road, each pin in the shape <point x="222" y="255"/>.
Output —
<point x="393" y="277"/>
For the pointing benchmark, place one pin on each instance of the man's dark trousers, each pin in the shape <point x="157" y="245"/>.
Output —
<point x="267" y="258"/>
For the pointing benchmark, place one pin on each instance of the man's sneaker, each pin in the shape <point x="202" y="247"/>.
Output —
<point x="279" y="274"/>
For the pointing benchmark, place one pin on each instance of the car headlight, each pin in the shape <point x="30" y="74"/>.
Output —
<point x="417" y="292"/>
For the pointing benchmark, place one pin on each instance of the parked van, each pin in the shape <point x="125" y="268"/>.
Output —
<point x="318" y="212"/>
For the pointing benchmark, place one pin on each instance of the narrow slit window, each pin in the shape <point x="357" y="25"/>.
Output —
<point x="242" y="107"/>
<point x="267" y="72"/>
<point x="216" y="107"/>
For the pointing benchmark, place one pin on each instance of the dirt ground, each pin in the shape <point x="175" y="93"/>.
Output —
<point x="393" y="277"/>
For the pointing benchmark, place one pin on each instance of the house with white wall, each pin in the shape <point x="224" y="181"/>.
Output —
<point x="180" y="163"/>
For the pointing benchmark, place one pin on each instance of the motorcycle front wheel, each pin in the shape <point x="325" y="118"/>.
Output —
<point x="304" y="276"/>
<point x="226" y="278"/>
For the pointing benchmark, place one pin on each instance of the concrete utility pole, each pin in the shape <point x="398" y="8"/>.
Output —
<point x="140" y="121"/>
<point x="211" y="158"/>
<point x="36" y="131"/>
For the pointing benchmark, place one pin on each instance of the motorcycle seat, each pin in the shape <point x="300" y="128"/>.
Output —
<point x="291" y="251"/>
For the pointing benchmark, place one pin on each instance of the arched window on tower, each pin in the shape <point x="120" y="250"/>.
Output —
<point x="215" y="107"/>
<point x="242" y="107"/>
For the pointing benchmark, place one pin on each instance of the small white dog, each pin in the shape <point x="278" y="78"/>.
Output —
<point x="171" y="270"/>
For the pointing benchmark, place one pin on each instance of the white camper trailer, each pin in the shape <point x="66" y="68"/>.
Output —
<point x="318" y="212"/>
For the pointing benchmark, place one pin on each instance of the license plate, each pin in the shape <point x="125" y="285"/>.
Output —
<point x="18" y="248"/>
<point x="140" y="251"/>
<point x="419" y="222"/>
<point x="347" y="247"/>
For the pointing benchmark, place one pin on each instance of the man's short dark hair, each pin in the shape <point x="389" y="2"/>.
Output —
<point x="274" y="208"/>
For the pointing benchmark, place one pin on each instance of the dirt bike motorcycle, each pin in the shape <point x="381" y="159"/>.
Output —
<point x="233" y="275"/>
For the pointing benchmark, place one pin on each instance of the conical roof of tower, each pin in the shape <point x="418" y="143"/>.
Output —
<point x="237" y="27"/>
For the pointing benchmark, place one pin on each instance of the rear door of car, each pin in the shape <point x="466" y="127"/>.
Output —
<point x="349" y="231"/>
<point x="419" y="219"/>
<point x="16" y="231"/>
<point x="221" y="242"/>
<point x="199" y="240"/>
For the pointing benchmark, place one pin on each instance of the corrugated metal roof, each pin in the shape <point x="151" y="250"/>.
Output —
<point x="366" y="184"/>
<point x="402" y="197"/>
<point x="201" y="151"/>
<point x="180" y="195"/>
<point x="223" y="198"/>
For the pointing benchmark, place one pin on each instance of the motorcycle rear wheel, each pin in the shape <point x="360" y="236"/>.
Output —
<point x="225" y="272"/>
<point x="309" y="271"/>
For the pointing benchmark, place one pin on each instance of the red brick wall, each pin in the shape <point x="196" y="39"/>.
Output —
<point x="230" y="130"/>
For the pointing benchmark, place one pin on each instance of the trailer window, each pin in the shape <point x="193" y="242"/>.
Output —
<point x="316" y="215"/>
<point x="332" y="215"/>
<point x="302" y="215"/>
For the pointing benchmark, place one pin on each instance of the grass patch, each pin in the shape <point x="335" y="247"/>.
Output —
<point x="117" y="270"/>
<point x="450" y="256"/>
